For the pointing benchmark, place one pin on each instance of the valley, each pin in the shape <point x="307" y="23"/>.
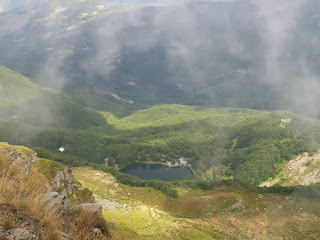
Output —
<point x="219" y="142"/>
<point x="223" y="212"/>
<point x="148" y="119"/>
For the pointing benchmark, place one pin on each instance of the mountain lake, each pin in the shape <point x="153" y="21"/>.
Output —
<point x="157" y="172"/>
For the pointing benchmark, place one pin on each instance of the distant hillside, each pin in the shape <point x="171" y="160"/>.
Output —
<point x="7" y="5"/>
<point x="248" y="146"/>
<point x="15" y="89"/>
<point x="221" y="53"/>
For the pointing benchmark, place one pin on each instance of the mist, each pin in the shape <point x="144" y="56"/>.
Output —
<point x="261" y="54"/>
<point x="241" y="54"/>
<point x="249" y="54"/>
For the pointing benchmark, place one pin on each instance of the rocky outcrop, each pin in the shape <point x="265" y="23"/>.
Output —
<point x="23" y="162"/>
<point x="57" y="201"/>
<point x="302" y="170"/>
<point x="63" y="183"/>
<point x="18" y="226"/>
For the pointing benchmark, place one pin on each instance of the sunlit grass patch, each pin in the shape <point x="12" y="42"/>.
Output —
<point x="143" y="220"/>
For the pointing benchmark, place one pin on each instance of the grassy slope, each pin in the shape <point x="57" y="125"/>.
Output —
<point x="200" y="214"/>
<point x="15" y="88"/>
<point x="170" y="115"/>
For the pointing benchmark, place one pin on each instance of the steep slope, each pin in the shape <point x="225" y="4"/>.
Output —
<point x="15" y="89"/>
<point x="24" y="102"/>
<point x="225" y="212"/>
<point x="30" y="210"/>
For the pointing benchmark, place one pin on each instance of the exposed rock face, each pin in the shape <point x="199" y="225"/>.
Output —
<point x="303" y="170"/>
<point x="22" y="226"/>
<point x="56" y="200"/>
<point x="16" y="225"/>
<point x="63" y="180"/>
<point x="21" y="162"/>
<point x="19" y="234"/>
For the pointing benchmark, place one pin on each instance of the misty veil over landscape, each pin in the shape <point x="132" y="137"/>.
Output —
<point x="158" y="119"/>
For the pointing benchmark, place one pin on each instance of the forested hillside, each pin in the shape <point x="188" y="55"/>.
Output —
<point x="186" y="119"/>
<point x="248" y="145"/>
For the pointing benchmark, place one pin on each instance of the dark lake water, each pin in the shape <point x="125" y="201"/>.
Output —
<point x="156" y="171"/>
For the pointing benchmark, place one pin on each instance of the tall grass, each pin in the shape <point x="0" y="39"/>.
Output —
<point x="24" y="192"/>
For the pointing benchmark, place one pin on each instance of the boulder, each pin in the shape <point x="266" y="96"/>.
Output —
<point x="97" y="231"/>
<point x="56" y="200"/>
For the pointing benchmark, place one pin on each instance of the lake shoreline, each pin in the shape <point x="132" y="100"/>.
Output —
<point x="150" y="170"/>
<point x="166" y="165"/>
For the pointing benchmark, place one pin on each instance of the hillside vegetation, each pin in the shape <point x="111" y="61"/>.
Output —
<point x="15" y="88"/>
<point x="249" y="146"/>
<point x="224" y="212"/>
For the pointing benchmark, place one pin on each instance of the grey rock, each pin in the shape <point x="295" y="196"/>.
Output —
<point x="24" y="164"/>
<point x="19" y="234"/>
<point x="63" y="180"/>
<point x="97" y="231"/>
<point x="56" y="200"/>
<point x="25" y="226"/>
